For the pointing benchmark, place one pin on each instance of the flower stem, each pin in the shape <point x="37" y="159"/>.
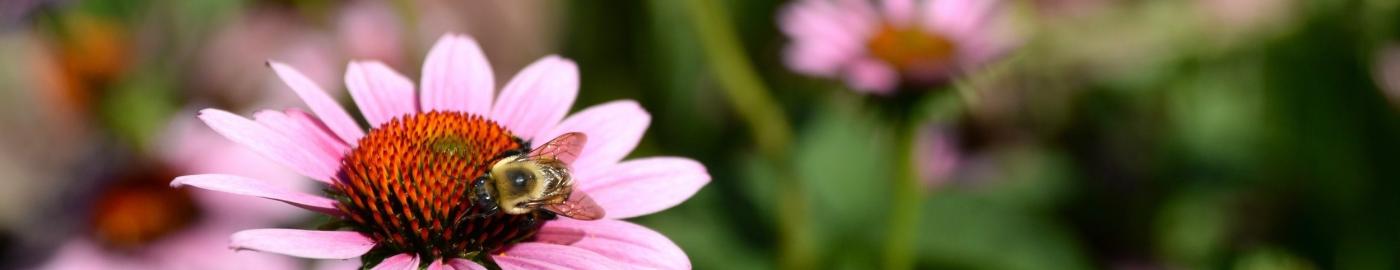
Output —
<point x="740" y="82"/>
<point x="904" y="201"/>
<point x="767" y="122"/>
<point x="907" y="115"/>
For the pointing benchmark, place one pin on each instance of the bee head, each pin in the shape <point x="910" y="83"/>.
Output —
<point x="523" y="185"/>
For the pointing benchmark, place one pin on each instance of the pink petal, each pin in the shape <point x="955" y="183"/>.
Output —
<point x="457" y="77"/>
<point x="205" y="247"/>
<point x="403" y="261"/>
<point x="252" y="187"/>
<point x="837" y="24"/>
<point x="624" y="242"/>
<point x="371" y="30"/>
<point x="319" y="133"/>
<point x="462" y="264"/>
<point x="195" y="148"/>
<point x="381" y="92"/>
<point x="826" y="35"/>
<point x="322" y="104"/>
<point x="550" y="256"/>
<point x="870" y="75"/>
<point x="644" y="186"/>
<point x="269" y="143"/>
<point x="613" y="130"/>
<point x="537" y="98"/>
<point x="304" y="243"/>
<point x="817" y="59"/>
<point x="304" y="131"/>
<point x="899" y="12"/>
<point x="81" y="253"/>
<point x="937" y="155"/>
<point x="337" y="264"/>
<point x="959" y="18"/>
<point x="438" y="265"/>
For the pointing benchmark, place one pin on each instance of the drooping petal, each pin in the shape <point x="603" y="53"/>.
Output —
<point x="613" y="130"/>
<point x="462" y="264"/>
<point x="320" y="133"/>
<point x="402" y="261"/>
<point x="872" y="76"/>
<point x="320" y="103"/>
<point x="381" y="92"/>
<point x="551" y="256"/>
<point x="268" y="143"/>
<point x="537" y="98"/>
<point x="644" y="186"/>
<point x="457" y="77"/>
<point x="630" y="244"/>
<point x="253" y="187"/>
<point x="302" y="131"/>
<point x="304" y="243"/>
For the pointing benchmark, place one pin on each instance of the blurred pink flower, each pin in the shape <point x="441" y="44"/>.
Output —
<point x="161" y="237"/>
<point x="875" y="48"/>
<point x="938" y="156"/>
<point x="1234" y="17"/>
<point x="457" y="80"/>
<point x="1386" y="73"/>
<point x="230" y="65"/>
<point x="370" y="30"/>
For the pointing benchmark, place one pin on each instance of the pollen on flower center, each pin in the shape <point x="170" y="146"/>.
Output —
<point x="911" y="48"/>
<point x="408" y="185"/>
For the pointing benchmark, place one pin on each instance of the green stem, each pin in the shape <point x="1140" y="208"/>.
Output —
<point x="907" y="116"/>
<point x="904" y="202"/>
<point x="740" y="82"/>
<point x="766" y="120"/>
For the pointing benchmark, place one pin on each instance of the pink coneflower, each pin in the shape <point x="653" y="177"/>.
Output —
<point x="229" y="67"/>
<point x="136" y="222"/>
<point x="877" y="48"/>
<point x="1386" y="72"/>
<point x="404" y="188"/>
<point x="369" y="30"/>
<point x="938" y="155"/>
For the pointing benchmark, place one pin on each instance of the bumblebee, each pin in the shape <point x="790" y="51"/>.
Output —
<point x="539" y="180"/>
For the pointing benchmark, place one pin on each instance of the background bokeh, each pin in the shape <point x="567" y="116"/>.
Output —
<point x="1175" y="134"/>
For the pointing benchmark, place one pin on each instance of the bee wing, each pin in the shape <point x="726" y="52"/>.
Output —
<point x="564" y="148"/>
<point x="579" y="206"/>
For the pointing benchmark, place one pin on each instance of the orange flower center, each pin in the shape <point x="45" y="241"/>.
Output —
<point x="140" y="208"/>
<point x="408" y="184"/>
<point x="911" y="48"/>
